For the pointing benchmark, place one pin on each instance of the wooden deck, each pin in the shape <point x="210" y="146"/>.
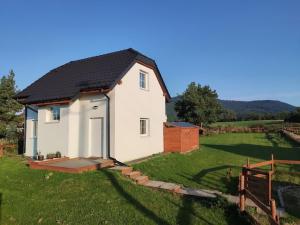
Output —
<point x="76" y="165"/>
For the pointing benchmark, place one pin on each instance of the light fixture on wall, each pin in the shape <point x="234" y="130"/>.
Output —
<point x="95" y="107"/>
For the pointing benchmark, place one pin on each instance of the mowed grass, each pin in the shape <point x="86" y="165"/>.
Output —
<point x="249" y="123"/>
<point x="207" y="168"/>
<point x="99" y="197"/>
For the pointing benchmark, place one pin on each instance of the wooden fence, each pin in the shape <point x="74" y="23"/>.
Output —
<point x="295" y="130"/>
<point x="3" y="146"/>
<point x="256" y="184"/>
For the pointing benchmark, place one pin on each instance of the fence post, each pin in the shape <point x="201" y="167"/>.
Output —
<point x="242" y="192"/>
<point x="273" y="210"/>
<point x="272" y="165"/>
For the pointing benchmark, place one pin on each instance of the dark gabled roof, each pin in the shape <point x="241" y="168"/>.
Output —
<point x="94" y="73"/>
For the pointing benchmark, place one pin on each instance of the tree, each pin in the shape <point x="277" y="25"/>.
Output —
<point x="198" y="105"/>
<point x="227" y="115"/>
<point x="294" y="117"/>
<point x="8" y="106"/>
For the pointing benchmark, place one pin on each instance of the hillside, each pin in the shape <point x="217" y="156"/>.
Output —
<point x="261" y="106"/>
<point x="242" y="108"/>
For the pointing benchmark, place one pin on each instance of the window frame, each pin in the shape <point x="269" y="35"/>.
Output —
<point x="146" y="130"/>
<point x="54" y="114"/>
<point x="143" y="81"/>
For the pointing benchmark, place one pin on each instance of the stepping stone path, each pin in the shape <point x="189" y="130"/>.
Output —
<point x="140" y="179"/>
<point x="172" y="187"/>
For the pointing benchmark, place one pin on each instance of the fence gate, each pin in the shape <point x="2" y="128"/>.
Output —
<point x="256" y="185"/>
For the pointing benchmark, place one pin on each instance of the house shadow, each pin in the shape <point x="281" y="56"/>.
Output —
<point x="211" y="177"/>
<point x="132" y="200"/>
<point x="187" y="211"/>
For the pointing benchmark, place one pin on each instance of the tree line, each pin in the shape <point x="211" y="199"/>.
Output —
<point x="199" y="105"/>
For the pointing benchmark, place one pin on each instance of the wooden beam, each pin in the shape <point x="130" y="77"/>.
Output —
<point x="63" y="102"/>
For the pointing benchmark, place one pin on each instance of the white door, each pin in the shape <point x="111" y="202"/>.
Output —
<point x="96" y="137"/>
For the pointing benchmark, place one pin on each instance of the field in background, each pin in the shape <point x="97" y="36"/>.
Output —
<point x="250" y="123"/>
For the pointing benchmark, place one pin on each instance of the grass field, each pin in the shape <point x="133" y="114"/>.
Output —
<point x="106" y="197"/>
<point x="207" y="168"/>
<point x="99" y="197"/>
<point x="247" y="123"/>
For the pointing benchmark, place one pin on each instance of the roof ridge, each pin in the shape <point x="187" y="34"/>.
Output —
<point x="141" y="54"/>
<point x="96" y="56"/>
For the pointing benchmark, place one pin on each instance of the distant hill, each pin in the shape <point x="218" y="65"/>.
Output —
<point x="242" y="108"/>
<point x="259" y="106"/>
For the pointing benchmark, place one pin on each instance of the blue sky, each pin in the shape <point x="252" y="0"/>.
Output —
<point x="245" y="50"/>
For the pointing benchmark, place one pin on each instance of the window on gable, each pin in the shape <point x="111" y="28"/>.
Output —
<point x="143" y="80"/>
<point x="144" y="126"/>
<point x="54" y="113"/>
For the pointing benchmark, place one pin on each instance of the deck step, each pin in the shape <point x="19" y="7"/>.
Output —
<point x="107" y="163"/>
<point x="123" y="169"/>
<point x="134" y="174"/>
<point x="141" y="179"/>
<point x="126" y="170"/>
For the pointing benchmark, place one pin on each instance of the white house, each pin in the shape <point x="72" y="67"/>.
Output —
<point x="109" y="106"/>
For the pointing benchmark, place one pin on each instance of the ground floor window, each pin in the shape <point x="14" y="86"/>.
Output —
<point x="144" y="126"/>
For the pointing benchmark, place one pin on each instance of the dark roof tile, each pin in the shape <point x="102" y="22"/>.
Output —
<point x="102" y="71"/>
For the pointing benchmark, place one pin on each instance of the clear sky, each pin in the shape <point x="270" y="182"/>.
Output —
<point x="245" y="50"/>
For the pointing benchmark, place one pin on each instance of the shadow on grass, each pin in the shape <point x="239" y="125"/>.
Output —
<point x="211" y="177"/>
<point x="0" y="207"/>
<point x="186" y="212"/>
<point x="132" y="200"/>
<point x="259" y="151"/>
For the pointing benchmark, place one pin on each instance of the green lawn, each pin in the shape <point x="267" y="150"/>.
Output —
<point x="99" y="197"/>
<point x="207" y="167"/>
<point x="248" y="123"/>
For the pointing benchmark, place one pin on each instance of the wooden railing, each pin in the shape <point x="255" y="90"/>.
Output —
<point x="256" y="184"/>
<point x="295" y="130"/>
<point x="3" y="146"/>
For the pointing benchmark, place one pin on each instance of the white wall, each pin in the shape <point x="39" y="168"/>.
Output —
<point x="30" y="142"/>
<point x="87" y="111"/>
<point x="69" y="135"/>
<point x="53" y="136"/>
<point x="130" y="104"/>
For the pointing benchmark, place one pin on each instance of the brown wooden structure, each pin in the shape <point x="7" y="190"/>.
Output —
<point x="3" y="146"/>
<point x="256" y="184"/>
<point x="180" y="137"/>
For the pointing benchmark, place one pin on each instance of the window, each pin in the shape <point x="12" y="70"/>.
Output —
<point x="54" y="113"/>
<point x="34" y="128"/>
<point x="144" y="126"/>
<point x="143" y="80"/>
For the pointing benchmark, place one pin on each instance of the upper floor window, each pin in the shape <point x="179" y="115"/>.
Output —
<point x="143" y="80"/>
<point x="54" y="113"/>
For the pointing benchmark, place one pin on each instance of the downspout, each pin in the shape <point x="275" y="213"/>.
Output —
<point x="25" y="130"/>
<point x="108" y="125"/>
<point x="108" y="132"/>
